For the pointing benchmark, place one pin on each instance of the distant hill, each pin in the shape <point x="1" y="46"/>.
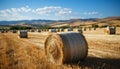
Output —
<point x="54" y="22"/>
<point x="25" y="22"/>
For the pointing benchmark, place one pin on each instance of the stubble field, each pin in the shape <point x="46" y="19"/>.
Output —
<point x="28" y="53"/>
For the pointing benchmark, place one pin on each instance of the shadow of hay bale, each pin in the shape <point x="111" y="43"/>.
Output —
<point x="98" y="63"/>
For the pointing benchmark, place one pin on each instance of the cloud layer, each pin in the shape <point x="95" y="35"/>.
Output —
<point x="23" y="12"/>
<point x="90" y="13"/>
<point x="47" y="12"/>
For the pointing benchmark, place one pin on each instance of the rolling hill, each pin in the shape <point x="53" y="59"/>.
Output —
<point x="72" y="22"/>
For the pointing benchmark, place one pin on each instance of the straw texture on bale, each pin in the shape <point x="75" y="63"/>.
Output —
<point x="68" y="29"/>
<point x="23" y="34"/>
<point x="110" y="30"/>
<point x="66" y="47"/>
<point x="78" y="30"/>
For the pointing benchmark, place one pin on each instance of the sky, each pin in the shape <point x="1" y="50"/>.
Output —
<point x="57" y="9"/>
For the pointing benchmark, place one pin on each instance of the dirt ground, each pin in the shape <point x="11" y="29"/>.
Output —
<point x="28" y="53"/>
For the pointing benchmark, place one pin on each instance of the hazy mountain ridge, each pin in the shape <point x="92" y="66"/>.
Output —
<point x="35" y="22"/>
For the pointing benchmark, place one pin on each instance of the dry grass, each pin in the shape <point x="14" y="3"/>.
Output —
<point x="16" y="53"/>
<point x="100" y="31"/>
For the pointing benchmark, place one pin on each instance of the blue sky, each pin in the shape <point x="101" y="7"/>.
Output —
<point x="57" y="9"/>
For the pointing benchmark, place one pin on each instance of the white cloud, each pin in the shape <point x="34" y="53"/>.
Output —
<point x="90" y="13"/>
<point x="47" y="12"/>
<point x="24" y="12"/>
<point x="53" y="10"/>
<point x="16" y="10"/>
<point x="64" y="12"/>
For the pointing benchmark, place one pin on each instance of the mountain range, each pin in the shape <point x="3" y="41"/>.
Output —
<point x="39" y="22"/>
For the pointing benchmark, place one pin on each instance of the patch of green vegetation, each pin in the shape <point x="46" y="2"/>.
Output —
<point x="19" y="28"/>
<point x="95" y="26"/>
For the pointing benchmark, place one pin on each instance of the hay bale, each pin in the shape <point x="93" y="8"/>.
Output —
<point x="52" y="30"/>
<point x="94" y="28"/>
<point x="41" y="30"/>
<point x="66" y="47"/>
<point x="46" y="30"/>
<point x="60" y="30"/>
<point x="78" y="30"/>
<point x="57" y="30"/>
<point x="84" y="29"/>
<point x="14" y="31"/>
<point x="32" y="30"/>
<point x="28" y="30"/>
<point x="38" y="30"/>
<point x="23" y="34"/>
<point x="110" y="30"/>
<point x="2" y="31"/>
<point x="89" y="29"/>
<point x="68" y="29"/>
<point x="6" y="31"/>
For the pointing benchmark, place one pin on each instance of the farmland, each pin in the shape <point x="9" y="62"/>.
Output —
<point x="29" y="53"/>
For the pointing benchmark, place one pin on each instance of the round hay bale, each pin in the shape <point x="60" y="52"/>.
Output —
<point x="61" y="30"/>
<point x="84" y="29"/>
<point x="68" y="29"/>
<point x="28" y="30"/>
<point x="32" y="30"/>
<point x="52" y="30"/>
<point x="110" y="30"/>
<point x="6" y="31"/>
<point x="38" y="30"/>
<point x="14" y="31"/>
<point x="58" y="30"/>
<point x="78" y="30"/>
<point x="89" y="29"/>
<point x="44" y="30"/>
<point x="47" y="30"/>
<point x="2" y="31"/>
<point x="23" y="34"/>
<point x="94" y="28"/>
<point x="66" y="47"/>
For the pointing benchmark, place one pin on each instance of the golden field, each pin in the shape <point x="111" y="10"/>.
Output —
<point x="28" y="53"/>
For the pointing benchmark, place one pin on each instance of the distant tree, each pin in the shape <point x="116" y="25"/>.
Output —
<point x="19" y="28"/>
<point x="95" y="26"/>
<point x="103" y="26"/>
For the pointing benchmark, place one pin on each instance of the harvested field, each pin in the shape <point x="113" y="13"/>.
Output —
<point x="28" y="53"/>
<point x="99" y="31"/>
